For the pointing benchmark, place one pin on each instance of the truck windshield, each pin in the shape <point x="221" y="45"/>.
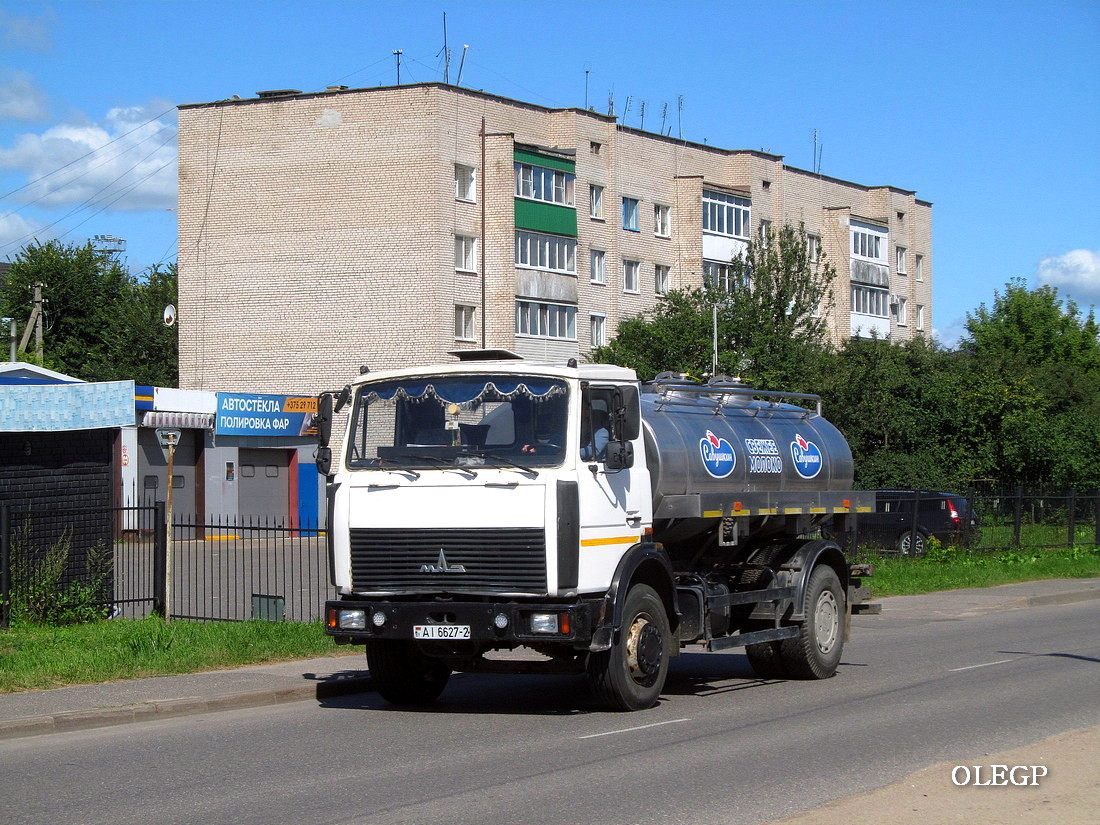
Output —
<point x="464" y="421"/>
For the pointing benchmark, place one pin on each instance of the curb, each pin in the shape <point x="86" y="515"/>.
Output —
<point x="1058" y="598"/>
<point x="166" y="708"/>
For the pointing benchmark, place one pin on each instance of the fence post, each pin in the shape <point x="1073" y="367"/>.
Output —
<point x="913" y="531"/>
<point x="1018" y="517"/>
<point x="1096" y="519"/>
<point x="160" y="558"/>
<point x="1072" y="537"/>
<point x="5" y="565"/>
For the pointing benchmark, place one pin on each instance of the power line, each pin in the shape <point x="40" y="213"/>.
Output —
<point x="86" y="154"/>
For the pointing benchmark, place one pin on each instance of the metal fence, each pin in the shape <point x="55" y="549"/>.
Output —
<point x="118" y="559"/>
<point x="980" y="519"/>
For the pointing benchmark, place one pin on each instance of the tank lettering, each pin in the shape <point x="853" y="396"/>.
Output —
<point x="718" y="456"/>
<point x="764" y="456"/>
<point x="806" y="456"/>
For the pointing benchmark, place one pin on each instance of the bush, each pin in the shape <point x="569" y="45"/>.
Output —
<point x="41" y="595"/>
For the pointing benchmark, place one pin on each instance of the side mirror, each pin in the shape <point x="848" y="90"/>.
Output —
<point x="628" y="412"/>
<point x="323" y="418"/>
<point x="619" y="455"/>
<point x="324" y="460"/>
<point x="343" y="398"/>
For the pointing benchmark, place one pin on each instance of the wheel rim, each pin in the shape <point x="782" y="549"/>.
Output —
<point x="644" y="650"/>
<point x="826" y="621"/>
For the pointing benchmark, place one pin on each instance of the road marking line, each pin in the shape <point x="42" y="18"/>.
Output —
<point x="986" y="664"/>
<point x="628" y="730"/>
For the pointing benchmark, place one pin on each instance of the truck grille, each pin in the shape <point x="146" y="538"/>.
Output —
<point x="495" y="561"/>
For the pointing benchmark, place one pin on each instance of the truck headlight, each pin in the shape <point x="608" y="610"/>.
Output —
<point x="544" y="622"/>
<point x="353" y="619"/>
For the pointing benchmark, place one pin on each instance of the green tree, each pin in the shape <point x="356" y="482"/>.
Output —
<point x="1043" y="357"/>
<point x="770" y="320"/>
<point x="101" y="322"/>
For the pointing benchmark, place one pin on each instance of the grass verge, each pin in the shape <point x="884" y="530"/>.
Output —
<point x="949" y="568"/>
<point x="34" y="657"/>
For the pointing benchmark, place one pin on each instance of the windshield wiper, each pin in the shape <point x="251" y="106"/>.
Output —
<point x="503" y="463"/>
<point x="446" y="465"/>
<point x="383" y="462"/>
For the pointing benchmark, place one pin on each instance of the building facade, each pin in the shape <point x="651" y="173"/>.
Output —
<point x="385" y="227"/>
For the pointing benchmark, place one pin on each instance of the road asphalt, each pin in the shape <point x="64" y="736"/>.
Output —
<point x="137" y="700"/>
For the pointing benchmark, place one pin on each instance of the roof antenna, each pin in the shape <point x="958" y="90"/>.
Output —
<point x="397" y="53"/>
<point x="461" y="63"/>
<point x="446" y="53"/>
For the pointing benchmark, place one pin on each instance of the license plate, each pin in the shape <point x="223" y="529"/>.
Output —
<point x="441" y="631"/>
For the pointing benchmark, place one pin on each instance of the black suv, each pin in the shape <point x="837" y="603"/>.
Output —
<point x="948" y="517"/>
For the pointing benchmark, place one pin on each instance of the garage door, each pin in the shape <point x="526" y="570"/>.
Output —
<point x="264" y="492"/>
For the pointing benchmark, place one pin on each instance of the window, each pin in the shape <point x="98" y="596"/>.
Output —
<point x="546" y="320"/>
<point x="920" y="267"/>
<point x="465" y="253"/>
<point x="597" y="324"/>
<point x="535" y="250"/>
<point x="726" y="214"/>
<point x="595" y="202"/>
<point x="630" y="214"/>
<point x="719" y="276"/>
<point x="920" y="317"/>
<point x="599" y="266"/>
<point x="464" y="323"/>
<point x="631" y="270"/>
<point x="867" y="244"/>
<point x="870" y="301"/>
<point x="465" y="188"/>
<point x="662" y="220"/>
<point x="901" y="311"/>
<point x="900" y="256"/>
<point x="813" y="248"/>
<point x="660" y="278"/>
<point x="765" y="230"/>
<point x="541" y="184"/>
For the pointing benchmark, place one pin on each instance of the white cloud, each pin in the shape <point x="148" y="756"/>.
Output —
<point x="1076" y="275"/>
<point x="950" y="335"/>
<point x="25" y="32"/>
<point x="16" y="232"/>
<point x="127" y="162"/>
<point x="20" y="98"/>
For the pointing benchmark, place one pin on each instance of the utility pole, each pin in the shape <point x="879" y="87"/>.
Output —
<point x="35" y="323"/>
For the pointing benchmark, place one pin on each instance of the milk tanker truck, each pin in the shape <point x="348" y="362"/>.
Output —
<point x="594" y="524"/>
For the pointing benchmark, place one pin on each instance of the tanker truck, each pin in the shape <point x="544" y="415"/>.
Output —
<point x="598" y="525"/>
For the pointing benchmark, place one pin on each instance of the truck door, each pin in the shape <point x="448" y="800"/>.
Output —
<point x="614" y="504"/>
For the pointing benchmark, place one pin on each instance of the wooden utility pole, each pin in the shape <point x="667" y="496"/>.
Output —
<point x="35" y="323"/>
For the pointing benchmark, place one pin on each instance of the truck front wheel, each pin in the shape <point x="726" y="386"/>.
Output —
<point x="403" y="675"/>
<point x="815" y="652"/>
<point x="631" y="674"/>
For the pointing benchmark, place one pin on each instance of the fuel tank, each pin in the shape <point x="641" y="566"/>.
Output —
<point x="726" y="438"/>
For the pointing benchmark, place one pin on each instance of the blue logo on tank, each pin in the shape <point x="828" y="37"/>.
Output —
<point x="806" y="456"/>
<point x="719" y="459"/>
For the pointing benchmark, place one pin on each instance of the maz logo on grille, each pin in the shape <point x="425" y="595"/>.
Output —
<point x="441" y="566"/>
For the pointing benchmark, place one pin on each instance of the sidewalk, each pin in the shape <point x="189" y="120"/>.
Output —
<point x="136" y="700"/>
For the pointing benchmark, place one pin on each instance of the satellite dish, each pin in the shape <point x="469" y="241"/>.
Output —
<point x="169" y="315"/>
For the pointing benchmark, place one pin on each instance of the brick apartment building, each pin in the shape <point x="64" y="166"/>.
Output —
<point x="322" y="231"/>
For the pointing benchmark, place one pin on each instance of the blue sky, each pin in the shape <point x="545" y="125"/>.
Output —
<point x="991" y="110"/>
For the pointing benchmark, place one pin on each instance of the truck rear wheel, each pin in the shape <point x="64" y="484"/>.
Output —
<point x="815" y="652"/>
<point x="631" y="674"/>
<point x="403" y="675"/>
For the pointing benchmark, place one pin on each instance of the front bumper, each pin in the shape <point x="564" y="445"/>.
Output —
<point x="491" y="623"/>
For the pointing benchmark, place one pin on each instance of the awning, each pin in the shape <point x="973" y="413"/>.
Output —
<point x="178" y="420"/>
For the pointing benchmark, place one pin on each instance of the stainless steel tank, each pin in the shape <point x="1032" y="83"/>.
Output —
<point x="703" y="440"/>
